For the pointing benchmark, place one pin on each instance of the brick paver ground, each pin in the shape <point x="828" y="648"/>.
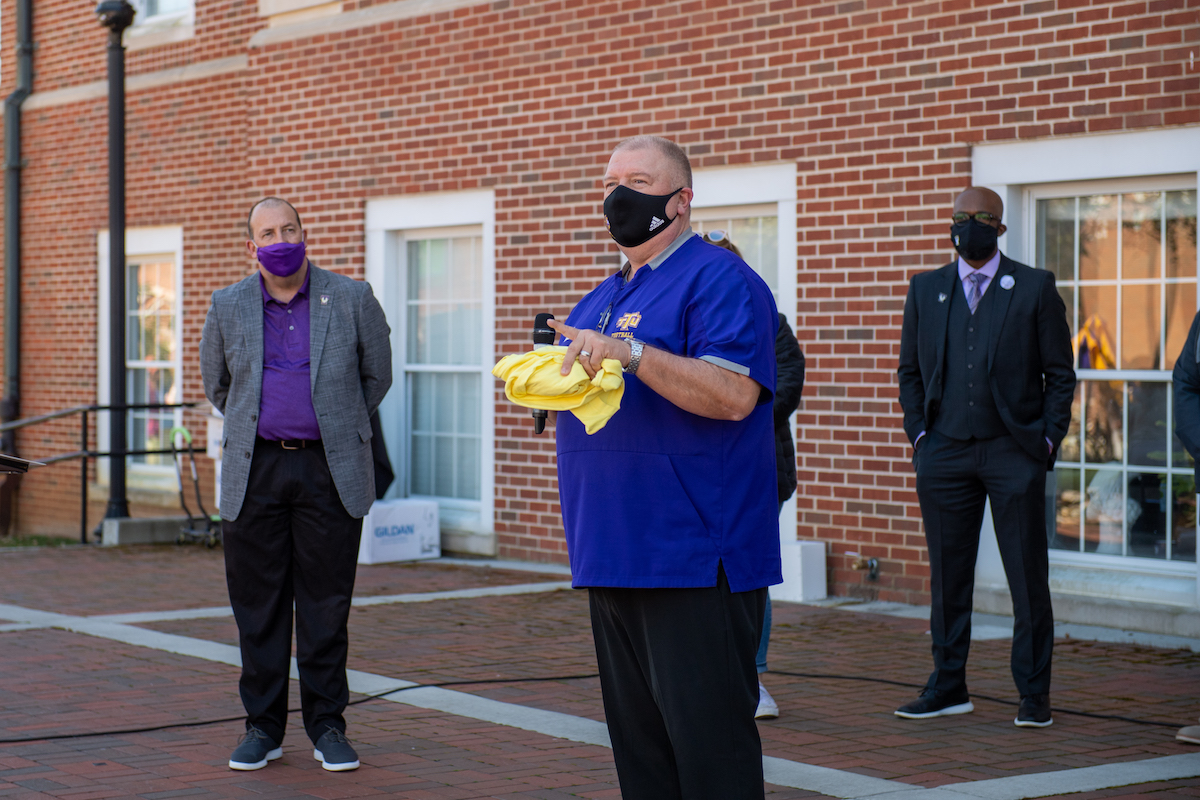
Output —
<point x="55" y="682"/>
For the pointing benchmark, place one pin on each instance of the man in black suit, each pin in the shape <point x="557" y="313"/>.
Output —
<point x="1186" y="379"/>
<point x="986" y="381"/>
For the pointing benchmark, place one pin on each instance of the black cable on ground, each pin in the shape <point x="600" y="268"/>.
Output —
<point x="444" y="684"/>
<point x="240" y="717"/>
<point x="974" y="696"/>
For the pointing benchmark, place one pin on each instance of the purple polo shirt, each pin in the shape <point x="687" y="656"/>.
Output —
<point x="286" y="409"/>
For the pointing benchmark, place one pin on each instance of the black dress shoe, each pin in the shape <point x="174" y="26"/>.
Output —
<point x="933" y="703"/>
<point x="1034" y="711"/>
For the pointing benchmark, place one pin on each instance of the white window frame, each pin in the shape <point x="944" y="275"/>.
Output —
<point x="1120" y="186"/>
<point x="757" y="189"/>
<point x="159" y="29"/>
<point x="161" y="241"/>
<point x="387" y="221"/>
<point x="1019" y="171"/>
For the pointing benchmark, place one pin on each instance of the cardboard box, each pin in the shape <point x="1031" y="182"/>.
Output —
<point x="400" y="530"/>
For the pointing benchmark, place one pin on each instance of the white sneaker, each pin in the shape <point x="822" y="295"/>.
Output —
<point x="767" y="707"/>
<point x="1190" y="734"/>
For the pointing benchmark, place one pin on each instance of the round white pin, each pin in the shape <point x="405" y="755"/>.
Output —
<point x="1007" y="282"/>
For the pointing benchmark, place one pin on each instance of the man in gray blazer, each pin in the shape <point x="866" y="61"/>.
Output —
<point x="297" y="359"/>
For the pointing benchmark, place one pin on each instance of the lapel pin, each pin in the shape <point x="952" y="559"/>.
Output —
<point x="1007" y="282"/>
<point x="325" y="297"/>
<point x="941" y="297"/>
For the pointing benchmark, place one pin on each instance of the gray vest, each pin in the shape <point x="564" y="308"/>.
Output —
<point x="968" y="410"/>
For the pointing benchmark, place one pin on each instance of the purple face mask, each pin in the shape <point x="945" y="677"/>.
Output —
<point x="282" y="259"/>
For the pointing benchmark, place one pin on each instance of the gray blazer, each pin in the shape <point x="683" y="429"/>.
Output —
<point x="350" y="355"/>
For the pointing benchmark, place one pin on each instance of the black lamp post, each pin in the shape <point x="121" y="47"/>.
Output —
<point x="116" y="15"/>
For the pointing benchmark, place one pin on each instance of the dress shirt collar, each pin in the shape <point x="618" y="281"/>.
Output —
<point x="301" y="293"/>
<point x="990" y="269"/>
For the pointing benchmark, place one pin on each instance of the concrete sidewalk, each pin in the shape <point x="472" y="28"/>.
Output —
<point x="96" y="643"/>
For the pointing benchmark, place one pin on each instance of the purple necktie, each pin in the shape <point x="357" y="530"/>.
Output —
<point x="975" y="295"/>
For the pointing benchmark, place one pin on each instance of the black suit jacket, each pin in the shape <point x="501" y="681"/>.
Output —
<point x="1186" y="378"/>
<point x="1030" y="361"/>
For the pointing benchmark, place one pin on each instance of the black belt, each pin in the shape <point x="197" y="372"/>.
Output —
<point x="291" y="444"/>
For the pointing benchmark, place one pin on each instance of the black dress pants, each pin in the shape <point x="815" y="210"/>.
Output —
<point x="680" y="690"/>
<point x="292" y="542"/>
<point x="954" y="479"/>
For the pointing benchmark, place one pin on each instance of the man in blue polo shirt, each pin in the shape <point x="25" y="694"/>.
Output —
<point x="669" y="510"/>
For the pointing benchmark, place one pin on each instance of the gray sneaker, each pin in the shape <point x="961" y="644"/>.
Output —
<point x="334" y="752"/>
<point x="933" y="703"/>
<point x="254" y="751"/>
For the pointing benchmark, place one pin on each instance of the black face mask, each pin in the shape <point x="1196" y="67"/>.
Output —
<point x="974" y="240"/>
<point x="634" y="218"/>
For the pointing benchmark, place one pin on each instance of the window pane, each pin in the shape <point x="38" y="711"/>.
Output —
<point x="468" y="468"/>
<point x="1180" y="457"/>
<point x="1181" y="308"/>
<point x="151" y="340"/>
<point x="155" y="7"/>
<point x="1098" y="237"/>
<point x="1056" y="238"/>
<point x="1146" y="511"/>
<point x="1097" y="323"/>
<point x="1068" y="451"/>
<point x="1181" y="234"/>
<point x="443" y="403"/>
<point x="1067" y="293"/>
<point x="420" y="469"/>
<point x="1141" y="235"/>
<point x="758" y="239"/>
<point x="1103" y="423"/>
<point x="467" y="389"/>
<point x="446" y="443"/>
<point x="1065" y="535"/>
<point x="445" y="312"/>
<point x="1141" y="322"/>
<point x="443" y="466"/>
<point x="1147" y="423"/>
<point x="422" y="404"/>
<point x="1104" y="512"/>
<point x="164" y="342"/>
<point x="148" y="428"/>
<point x="135" y="338"/>
<point x="1183" y="518"/>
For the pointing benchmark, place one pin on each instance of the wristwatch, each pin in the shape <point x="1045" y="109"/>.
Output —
<point x="635" y="355"/>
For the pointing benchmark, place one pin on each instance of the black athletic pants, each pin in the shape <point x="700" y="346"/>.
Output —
<point x="680" y="690"/>
<point x="292" y="541"/>
<point x="954" y="479"/>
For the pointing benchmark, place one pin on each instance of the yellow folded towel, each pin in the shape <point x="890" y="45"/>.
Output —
<point x="532" y="380"/>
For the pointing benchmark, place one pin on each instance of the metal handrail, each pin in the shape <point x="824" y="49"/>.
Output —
<point x="86" y="454"/>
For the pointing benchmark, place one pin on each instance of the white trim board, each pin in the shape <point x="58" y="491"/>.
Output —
<point x="1166" y="151"/>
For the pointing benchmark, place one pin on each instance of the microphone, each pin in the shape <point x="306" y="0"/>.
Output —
<point x="543" y="336"/>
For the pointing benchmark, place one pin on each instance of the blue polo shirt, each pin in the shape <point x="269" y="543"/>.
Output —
<point x="660" y="497"/>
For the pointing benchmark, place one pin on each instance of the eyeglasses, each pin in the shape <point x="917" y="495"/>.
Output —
<point x="716" y="236"/>
<point x="982" y="216"/>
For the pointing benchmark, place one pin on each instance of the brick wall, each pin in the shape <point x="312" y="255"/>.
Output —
<point x="878" y="103"/>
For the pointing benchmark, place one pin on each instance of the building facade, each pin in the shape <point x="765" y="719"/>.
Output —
<point x="449" y="151"/>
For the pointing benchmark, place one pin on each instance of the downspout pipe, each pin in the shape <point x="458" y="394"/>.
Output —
<point x="10" y="406"/>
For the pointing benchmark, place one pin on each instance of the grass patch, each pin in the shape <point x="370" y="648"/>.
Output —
<point x="34" y="540"/>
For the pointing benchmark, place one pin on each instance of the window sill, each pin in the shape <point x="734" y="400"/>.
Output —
<point x="1142" y="580"/>
<point x="160" y="31"/>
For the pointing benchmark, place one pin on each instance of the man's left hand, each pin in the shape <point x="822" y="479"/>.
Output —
<point x="590" y="348"/>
